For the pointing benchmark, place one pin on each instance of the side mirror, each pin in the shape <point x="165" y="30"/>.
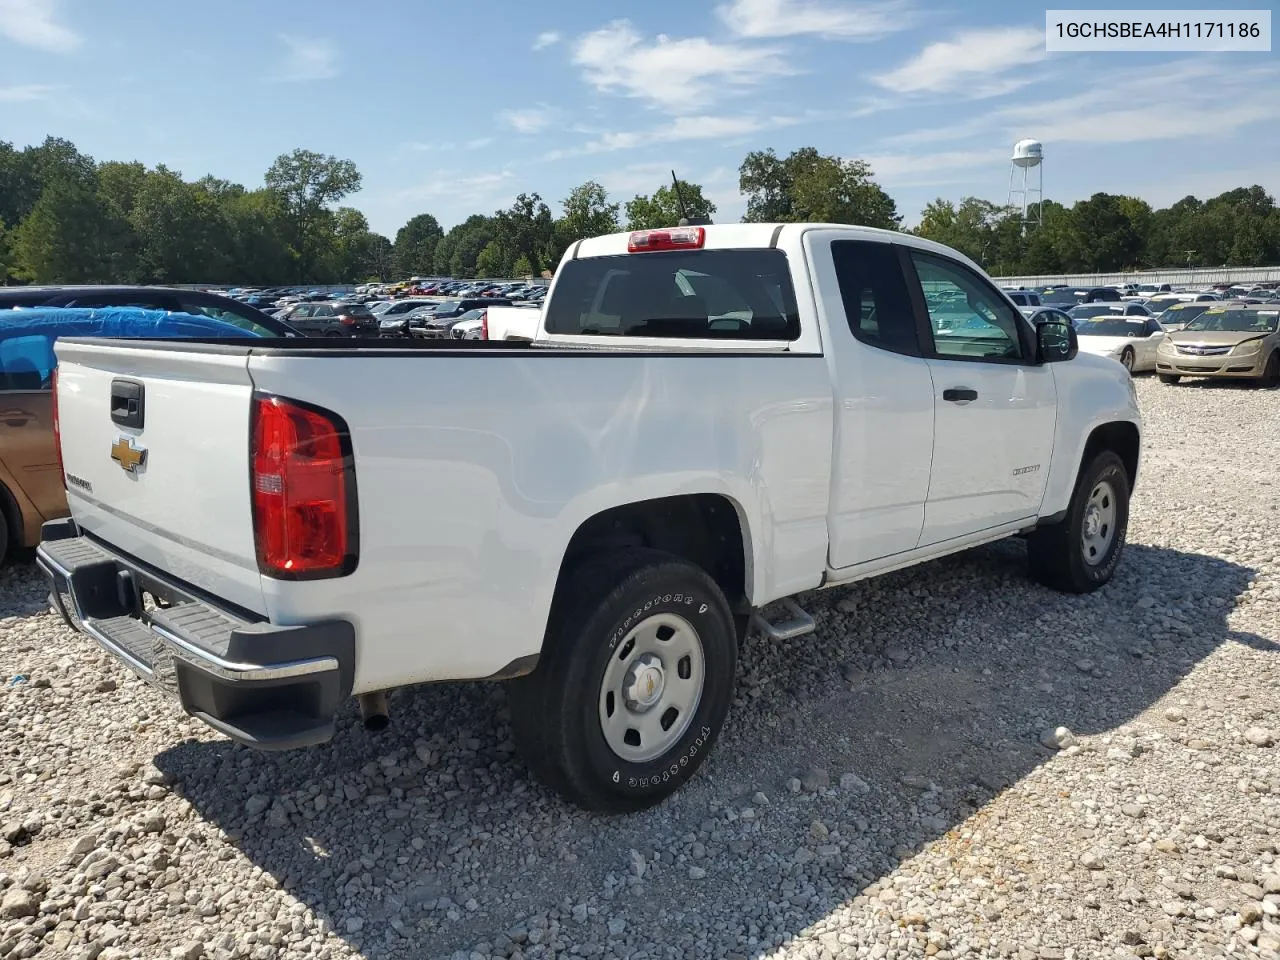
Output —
<point x="1056" y="341"/>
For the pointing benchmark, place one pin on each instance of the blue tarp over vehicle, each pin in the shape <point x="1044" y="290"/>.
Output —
<point x="27" y="335"/>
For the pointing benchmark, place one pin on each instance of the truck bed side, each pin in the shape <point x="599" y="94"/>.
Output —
<point x="476" y="468"/>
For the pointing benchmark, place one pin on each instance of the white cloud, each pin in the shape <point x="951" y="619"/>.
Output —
<point x="933" y="167"/>
<point x="33" y="23"/>
<point x="672" y="74"/>
<point x="26" y="93"/>
<point x="970" y="63"/>
<point x="833" y="19"/>
<point x="546" y="39"/>
<point x="460" y="189"/>
<point x="528" y="119"/>
<point x="675" y="130"/>
<point x="309" y="58"/>
<point x="1125" y="105"/>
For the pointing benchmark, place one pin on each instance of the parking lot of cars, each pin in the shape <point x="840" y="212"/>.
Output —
<point x="420" y="307"/>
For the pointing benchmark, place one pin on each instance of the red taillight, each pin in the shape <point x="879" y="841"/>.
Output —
<point x="484" y="324"/>
<point x="57" y="432"/>
<point x="675" y="238"/>
<point x="303" y="485"/>
<point x="346" y="320"/>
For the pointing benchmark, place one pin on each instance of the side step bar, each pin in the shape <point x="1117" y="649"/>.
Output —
<point x="797" y="624"/>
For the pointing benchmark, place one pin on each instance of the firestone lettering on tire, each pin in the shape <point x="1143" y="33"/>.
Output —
<point x="641" y="783"/>
<point x="686" y="600"/>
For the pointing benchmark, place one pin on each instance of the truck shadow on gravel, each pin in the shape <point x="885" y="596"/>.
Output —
<point x="922" y="695"/>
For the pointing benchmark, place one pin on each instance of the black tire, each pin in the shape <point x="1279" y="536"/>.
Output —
<point x="4" y="533"/>
<point x="1168" y="377"/>
<point x="333" y="333"/>
<point x="556" y="710"/>
<point x="1127" y="359"/>
<point x="1057" y="552"/>
<point x="1271" y="372"/>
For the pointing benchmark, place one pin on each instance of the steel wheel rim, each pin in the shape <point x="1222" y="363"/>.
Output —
<point x="1098" y="529"/>
<point x="651" y="688"/>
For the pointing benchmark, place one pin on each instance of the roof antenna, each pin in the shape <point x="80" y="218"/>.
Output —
<point x="685" y="219"/>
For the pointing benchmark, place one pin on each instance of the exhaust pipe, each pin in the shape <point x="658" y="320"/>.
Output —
<point x="374" y="711"/>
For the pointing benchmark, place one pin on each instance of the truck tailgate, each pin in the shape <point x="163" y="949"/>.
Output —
<point x="174" y="490"/>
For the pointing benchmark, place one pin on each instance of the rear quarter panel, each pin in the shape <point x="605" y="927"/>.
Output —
<point x="474" y="471"/>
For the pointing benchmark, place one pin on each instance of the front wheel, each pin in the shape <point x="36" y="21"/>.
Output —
<point x="634" y="683"/>
<point x="1271" y="372"/>
<point x="1079" y="554"/>
<point x="1170" y="378"/>
<point x="1126" y="358"/>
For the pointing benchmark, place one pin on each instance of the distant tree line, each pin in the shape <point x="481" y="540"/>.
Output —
<point x="66" y="218"/>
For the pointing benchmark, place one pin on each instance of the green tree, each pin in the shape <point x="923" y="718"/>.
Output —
<point x="65" y="237"/>
<point x="458" y="250"/>
<point x="807" y="186"/>
<point x="492" y="261"/>
<point x="587" y="213"/>
<point x="6" y="255"/>
<point x="415" y="245"/>
<point x="662" y="208"/>
<point x="522" y="267"/>
<point x="262" y="252"/>
<point x="182" y="231"/>
<point x="380" y="258"/>
<point x="527" y="229"/>
<point x="308" y="183"/>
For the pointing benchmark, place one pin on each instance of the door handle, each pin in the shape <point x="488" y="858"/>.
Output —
<point x="15" y="418"/>
<point x="959" y="394"/>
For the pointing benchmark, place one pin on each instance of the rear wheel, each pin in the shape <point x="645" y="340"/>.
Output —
<point x="1168" y="377"/>
<point x="4" y="534"/>
<point x="333" y="333"/>
<point x="1126" y="358"/>
<point x="634" y="683"/>
<point x="1080" y="553"/>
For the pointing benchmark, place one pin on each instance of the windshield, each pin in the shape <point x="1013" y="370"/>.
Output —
<point x="1236" y="321"/>
<point x="699" y="294"/>
<point x="1111" y="327"/>
<point x="1085" y="311"/>
<point x="1157" y="304"/>
<point x="354" y="310"/>
<point x="1183" y="313"/>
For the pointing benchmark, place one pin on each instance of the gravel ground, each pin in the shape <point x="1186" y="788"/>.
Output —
<point x="959" y="762"/>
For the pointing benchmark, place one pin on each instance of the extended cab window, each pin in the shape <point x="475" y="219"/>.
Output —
<point x="876" y="301"/>
<point x="970" y="321"/>
<point x="696" y="294"/>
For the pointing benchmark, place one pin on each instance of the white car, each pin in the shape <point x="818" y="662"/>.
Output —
<point x="708" y="422"/>
<point x="1132" y="341"/>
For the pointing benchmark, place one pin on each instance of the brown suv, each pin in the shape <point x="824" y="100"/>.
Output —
<point x="31" y="487"/>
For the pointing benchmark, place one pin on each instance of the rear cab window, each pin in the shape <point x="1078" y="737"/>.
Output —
<point x="708" y="294"/>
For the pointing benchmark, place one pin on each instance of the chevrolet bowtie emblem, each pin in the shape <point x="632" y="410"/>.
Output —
<point x="127" y="455"/>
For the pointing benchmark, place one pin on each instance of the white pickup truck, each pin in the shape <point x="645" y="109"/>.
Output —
<point x="708" y="421"/>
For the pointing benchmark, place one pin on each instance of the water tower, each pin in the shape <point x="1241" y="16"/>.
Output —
<point x="1028" y="157"/>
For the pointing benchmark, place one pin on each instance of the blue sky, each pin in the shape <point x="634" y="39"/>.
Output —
<point x="454" y="108"/>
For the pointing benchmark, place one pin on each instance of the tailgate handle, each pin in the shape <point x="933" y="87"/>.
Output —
<point x="127" y="403"/>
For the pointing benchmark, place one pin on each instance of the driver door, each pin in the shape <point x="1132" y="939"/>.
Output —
<point x="994" y="407"/>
